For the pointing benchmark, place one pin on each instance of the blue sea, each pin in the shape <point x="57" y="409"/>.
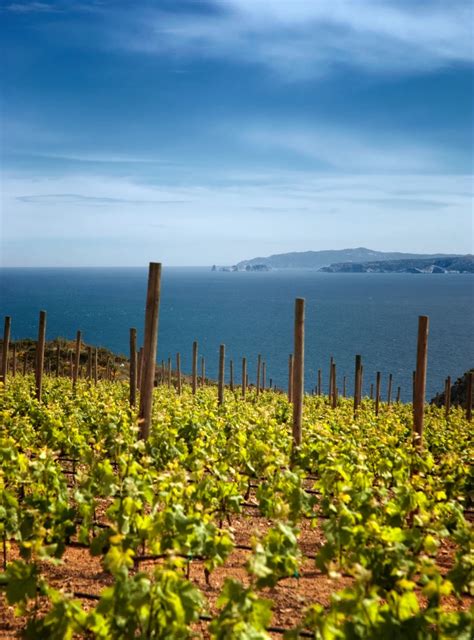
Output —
<point x="375" y="315"/>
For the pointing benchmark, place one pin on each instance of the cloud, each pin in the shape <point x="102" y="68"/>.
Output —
<point x="307" y="38"/>
<point x="30" y="7"/>
<point x="76" y="198"/>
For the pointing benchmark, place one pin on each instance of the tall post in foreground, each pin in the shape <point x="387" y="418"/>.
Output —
<point x="244" y="377"/>
<point x="133" y="366"/>
<point x="178" y="372"/>
<point x="377" y="393"/>
<point x="470" y="377"/>
<point x="40" y="354"/>
<point x="77" y="362"/>
<point x="150" y="344"/>
<point x="290" y="377"/>
<point x="357" y="382"/>
<point x="195" y="364"/>
<point x="420" y="379"/>
<point x="220" y="391"/>
<point x="298" y="372"/>
<point x="231" y="371"/>
<point x="6" y="343"/>
<point x="447" y="396"/>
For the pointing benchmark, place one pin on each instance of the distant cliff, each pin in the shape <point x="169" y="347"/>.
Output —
<point x="318" y="259"/>
<point x="458" y="393"/>
<point x="455" y="264"/>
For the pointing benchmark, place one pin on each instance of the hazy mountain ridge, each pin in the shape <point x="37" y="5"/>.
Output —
<point x="318" y="259"/>
<point x="455" y="264"/>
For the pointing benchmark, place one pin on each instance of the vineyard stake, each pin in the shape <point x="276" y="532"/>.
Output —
<point x="298" y="371"/>
<point x="290" y="377"/>
<point x="447" y="396"/>
<point x="399" y="390"/>
<point x="357" y="382"/>
<point x="6" y="342"/>
<point x="133" y="367"/>
<point x="333" y="385"/>
<point x="319" y="382"/>
<point x="195" y="361"/>
<point x="420" y="379"/>
<point x="40" y="354"/>
<point x="344" y="387"/>
<point x="220" y="391"/>
<point x="244" y="377"/>
<point x="150" y="345"/>
<point x="78" y="358"/>
<point x="377" y="393"/>
<point x="389" y="393"/>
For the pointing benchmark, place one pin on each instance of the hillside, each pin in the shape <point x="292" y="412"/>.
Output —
<point x="318" y="259"/>
<point x="455" y="264"/>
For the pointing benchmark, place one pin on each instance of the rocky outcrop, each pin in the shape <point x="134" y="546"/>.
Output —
<point x="458" y="393"/>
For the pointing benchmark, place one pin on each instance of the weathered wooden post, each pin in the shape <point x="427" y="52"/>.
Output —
<point x="221" y="383"/>
<point x="89" y="363"/>
<point x="344" y="393"/>
<point x="150" y="344"/>
<point x="14" y="359"/>
<point x="377" y="393"/>
<point x="333" y="385"/>
<point x="178" y="372"/>
<point x="298" y="372"/>
<point x="259" y="364"/>
<point x="6" y="343"/>
<point x="40" y="354"/>
<point x="203" y="371"/>
<point x="133" y="367"/>
<point x="319" y="382"/>
<point x="231" y="373"/>
<point x="470" y="377"/>
<point x="194" y="365"/>
<point x="244" y="377"/>
<point x="420" y="379"/>
<point x="447" y="396"/>
<point x="290" y="377"/>
<point x="357" y="382"/>
<point x="399" y="391"/>
<point x="77" y="363"/>
<point x="389" y="393"/>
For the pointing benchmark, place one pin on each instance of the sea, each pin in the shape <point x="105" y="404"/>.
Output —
<point x="371" y="314"/>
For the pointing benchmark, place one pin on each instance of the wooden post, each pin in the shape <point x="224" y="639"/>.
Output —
<point x="259" y="364"/>
<point x="470" y="377"/>
<point x="96" y="365"/>
<point x="89" y="363"/>
<point x="290" y="377"/>
<point x="77" y="363"/>
<point x="40" y="354"/>
<point x="195" y="361"/>
<point x="244" y="377"/>
<point x="178" y="372"/>
<point x="133" y="367"/>
<point x="150" y="345"/>
<point x="333" y="385"/>
<point x="357" y="382"/>
<point x="344" y="387"/>
<point x="264" y="375"/>
<point x="139" y="368"/>
<point x="270" y="383"/>
<point x="420" y="379"/>
<point x="399" y="391"/>
<point x="389" y="393"/>
<point x="377" y="393"/>
<point x="330" y="378"/>
<point x="319" y="382"/>
<point x="14" y="359"/>
<point x="231" y="381"/>
<point x="6" y="343"/>
<point x="203" y="371"/>
<point x="220" y="397"/>
<point x="298" y="372"/>
<point x="447" y="396"/>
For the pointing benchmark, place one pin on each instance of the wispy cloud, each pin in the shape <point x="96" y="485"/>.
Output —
<point x="306" y="38"/>
<point x="79" y="199"/>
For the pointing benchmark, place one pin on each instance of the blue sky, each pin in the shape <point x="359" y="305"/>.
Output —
<point x="197" y="132"/>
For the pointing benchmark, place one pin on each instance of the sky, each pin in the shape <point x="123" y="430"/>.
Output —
<point x="201" y="132"/>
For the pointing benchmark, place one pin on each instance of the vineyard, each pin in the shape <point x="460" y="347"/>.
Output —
<point x="216" y="526"/>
